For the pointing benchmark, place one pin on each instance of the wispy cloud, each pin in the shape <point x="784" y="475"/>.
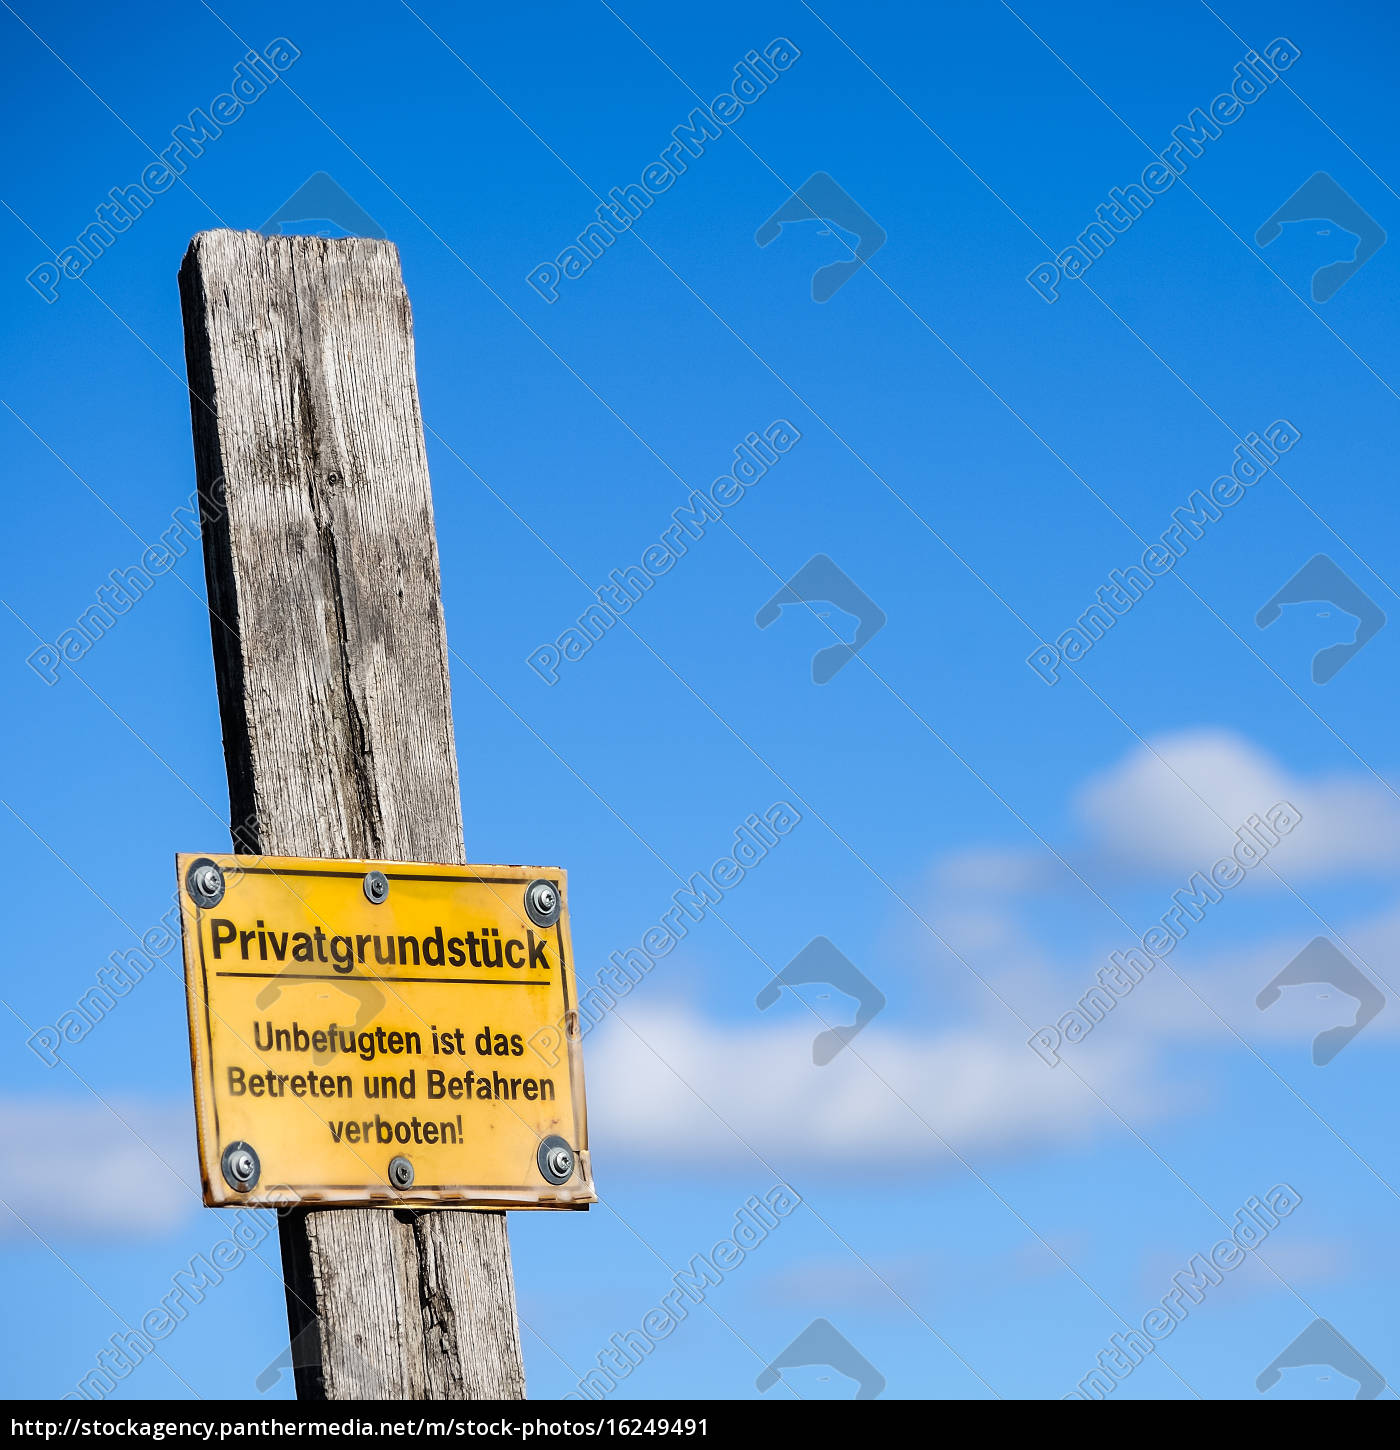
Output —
<point x="70" y="1168"/>
<point x="1162" y="808"/>
<point x="883" y="1103"/>
<point x="1174" y="806"/>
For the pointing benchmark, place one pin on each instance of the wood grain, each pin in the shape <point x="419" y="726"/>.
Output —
<point x="330" y="657"/>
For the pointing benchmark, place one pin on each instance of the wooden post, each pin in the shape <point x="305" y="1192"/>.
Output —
<point x="330" y="657"/>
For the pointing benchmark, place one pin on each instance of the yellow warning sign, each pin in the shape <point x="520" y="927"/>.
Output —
<point x="373" y="1032"/>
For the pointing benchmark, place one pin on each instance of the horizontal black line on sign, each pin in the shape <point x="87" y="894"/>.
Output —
<point x="381" y="1192"/>
<point x="352" y="977"/>
<point x="392" y="875"/>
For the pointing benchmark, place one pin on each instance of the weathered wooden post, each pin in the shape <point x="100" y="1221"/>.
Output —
<point x="331" y="661"/>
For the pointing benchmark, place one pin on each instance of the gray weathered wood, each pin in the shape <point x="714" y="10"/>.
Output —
<point x="331" y="662"/>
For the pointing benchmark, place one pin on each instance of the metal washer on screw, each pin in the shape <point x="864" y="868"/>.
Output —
<point x="240" y="1166"/>
<point x="542" y="902"/>
<point x="205" y="882"/>
<point x="400" y="1173"/>
<point x="376" y="887"/>
<point x="555" y="1159"/>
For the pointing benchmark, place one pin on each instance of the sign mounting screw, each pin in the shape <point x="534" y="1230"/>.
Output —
<point x="556" y="1159"/>
<point x="401" y="1173"/>
<point x="376" y="890"/>
<point x="241" y="1167"/>
<point x="205" y="882"/>
<point x="542" y="902"/>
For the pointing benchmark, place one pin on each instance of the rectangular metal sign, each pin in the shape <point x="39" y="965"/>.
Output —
<point x="383" y="1033"/>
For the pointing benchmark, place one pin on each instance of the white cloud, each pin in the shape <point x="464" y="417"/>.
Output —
<point x="991" y="871"/>
<point x="1175" y="806"/>
<point x="1213" y="995"/>
<point x="1162" y="808"/>
<point x="69" y="1167"/>
<point x="824" y="1285"/>
<point x="980" y="1088"/>
<point x="1284" y="1263"/>
<point x="1141" y="816"/>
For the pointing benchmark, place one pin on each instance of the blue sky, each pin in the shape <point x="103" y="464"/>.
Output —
<point x="977" y="460"/>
